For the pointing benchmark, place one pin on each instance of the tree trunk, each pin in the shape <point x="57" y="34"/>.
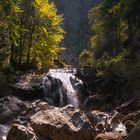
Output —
<point x="20" y="43"/>
<point x="30" y="44"/>
<point x="130" y="39"/>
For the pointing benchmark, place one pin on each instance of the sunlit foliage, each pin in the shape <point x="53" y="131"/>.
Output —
<point x="31" y="32"/>
<point x="114" y="28"/>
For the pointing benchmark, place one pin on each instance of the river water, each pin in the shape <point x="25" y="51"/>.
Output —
<point x="70" y="82"/>
<point x="52" y="83"/>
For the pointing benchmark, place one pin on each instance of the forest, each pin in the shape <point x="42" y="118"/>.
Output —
<point x="30" y="33"/>
<point x="66" y="76"/>
<point x="114" y="43"/>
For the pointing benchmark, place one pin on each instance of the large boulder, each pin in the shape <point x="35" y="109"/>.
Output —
<point x="54" y="123"/>
<point x="54" y="91"/>
<point x="10" y="107"/>
<point x="28" y="86"/>
<point x="32" y="86"/>
<point x="135" y="133"/>
<point x="107" y="122"/>
<point x="131" y="105"/>
<point x="109" y="136"/>
<point x="95" y="102"/>
<point x="20" y="132"/>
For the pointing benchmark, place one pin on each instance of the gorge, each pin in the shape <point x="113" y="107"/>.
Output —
<point x="75" y="24"/>
<point x="58" y="111"/>
<point x="69" y="70"/>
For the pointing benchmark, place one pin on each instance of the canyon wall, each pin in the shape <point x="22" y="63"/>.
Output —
<point x="76" y="26"/>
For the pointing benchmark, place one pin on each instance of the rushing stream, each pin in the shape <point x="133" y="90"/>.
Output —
<point x="69" y="82"/>
<point x="58" y="87"/>
<point x="3" y="131"/>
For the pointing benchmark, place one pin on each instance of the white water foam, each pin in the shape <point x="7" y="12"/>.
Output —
<point x="65" y="76"/>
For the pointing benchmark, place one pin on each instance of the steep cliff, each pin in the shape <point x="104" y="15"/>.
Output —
<point x="76" y="26"/>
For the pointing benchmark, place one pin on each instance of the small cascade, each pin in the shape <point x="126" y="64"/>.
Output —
<point x="4" y="131"/>
<point x="71" y="83"/>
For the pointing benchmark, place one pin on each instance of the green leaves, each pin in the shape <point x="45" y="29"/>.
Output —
<point x="34" y="31"/>
<point x="114" y="26"/>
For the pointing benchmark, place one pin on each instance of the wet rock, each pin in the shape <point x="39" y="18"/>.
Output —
<point x="109" y="136"/>
<point x="28" y="86"/>
<point x="135" y="133"/>
<point x="76" y="83"/>
<point x="32" y="86"/>
<point x="129" y="125"/>
<point x="99" y="127"/>
<point x="130" y="121"/>
<point x="89" y="87"/>
<point x="69" y="87"/>
<point x="20" y="132"/>
<point x="106" y="122"/>
<point x="30" y="92"/>
<point x="65" y="123"/>
<point x="98" y="120"/>
<point x="55" y="92"/>
<point x="95" y="102"/>
<point x="9" y="108"/>
<point x="50" y="83"/>
<point x="132" y="117"/>
<point x="14" y="112"/>
<point x="131" y="105"/>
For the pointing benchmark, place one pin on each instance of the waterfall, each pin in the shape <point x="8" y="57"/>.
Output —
<point x="71" y="83"/>
<point x="3" y="131"/>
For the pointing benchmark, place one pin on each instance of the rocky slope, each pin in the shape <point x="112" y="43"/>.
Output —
<point x="52" y="123"/>
<point x="40" y="119"/>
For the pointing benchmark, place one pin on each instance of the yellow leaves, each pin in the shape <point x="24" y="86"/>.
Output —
<point x="17" y="9"/>
<point x="45" y="30"/>
<point x="115" y="9"/>
<point x="49" y="11"/>
<point x="86" y="58"/>
<point x="47" y="34"/>
<point x="93" y="41"/>
<point x="45" y="8"/>
<point x="35" y="28"/>
<point x="42" y="6"/>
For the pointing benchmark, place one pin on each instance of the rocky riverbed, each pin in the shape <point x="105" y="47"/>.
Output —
<point x="46" y="117"/>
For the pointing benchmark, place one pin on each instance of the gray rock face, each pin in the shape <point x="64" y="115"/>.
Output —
<point x="135" y="133"/>
<point x="10" y="108"/>
<point x="55" y="92"/>
<point x="75" y="24"/>
<point x="109" y="136"/>
<point x="28" y="86"/>
<point x="21" y="133"/>
<point x="53" y="123"/>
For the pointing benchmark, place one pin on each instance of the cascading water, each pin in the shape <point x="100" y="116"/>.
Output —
<point x="60" y="86"/>
<point x="69" y="81"/>
<point x="3" y="131"/>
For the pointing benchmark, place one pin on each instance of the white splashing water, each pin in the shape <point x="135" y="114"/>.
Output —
<point x="4" y="131"/>
<point x="64" y="75"/>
